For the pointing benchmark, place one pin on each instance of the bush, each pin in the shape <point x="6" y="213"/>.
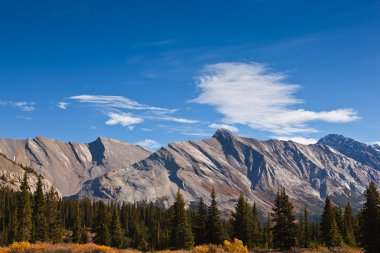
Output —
<point x="236" y="246"/>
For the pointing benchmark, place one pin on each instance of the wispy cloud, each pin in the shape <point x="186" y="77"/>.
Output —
<point x="226" y="126"/>
<point x="63" y="105"/>
<point x="149" y="144"/>
<point x="178" y="120"/>
<point x="299" y="139"/>
<point x="117" y="102"/>
<point x="23" y="117"/>
<point x="22" y="105"/>
<point x="252" y="95"/>
<point x="119" y="108"/>
<point x="124" y="119"/>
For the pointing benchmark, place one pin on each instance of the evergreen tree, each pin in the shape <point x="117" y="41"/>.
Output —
<point x="304" y="229"/>
<point x="215" y="233"/>
<point x="39" y="219"/>
<point x="256" y="228"/>
<point x="180" y="232"/>
<point x="139" y="237"/>
<point x="330" y="232"/>
<point x="53" y="216"/>
<point x="370" y="220"/>
<point x="349" y="225"/>
<point x="77" y="229"/>
<point x="284" y="228"/>
<point x="24" y="216"/>
<point x="117" y="234"/>
<point x="101" y="224"/>
<point x="242" y="222"/>
<point x="200" y="223"/>
<point x="268" y="232"/>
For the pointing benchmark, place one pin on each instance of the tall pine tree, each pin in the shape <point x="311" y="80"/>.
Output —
<point x="39" y="218"/>
<point x="115" y="229"/>
<point x="181" y="236"/>
<point x="349" y="226"/>
<point x="284" y="228"/>
<point x="330" y="231"/>
<point x="200" y="223"/>
<point x="101" y="225"/>
<point x="370" y="220"/>
<point x="242" y="222"/>
<point x="24" y="215"/>
<point x="215" y="233"/>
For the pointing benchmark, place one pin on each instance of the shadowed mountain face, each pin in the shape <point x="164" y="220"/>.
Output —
<point x="68" y="165"/>
<point x="233" y="164"/>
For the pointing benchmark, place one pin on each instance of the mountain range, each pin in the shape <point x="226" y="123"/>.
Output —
<point x="112" y="170"/>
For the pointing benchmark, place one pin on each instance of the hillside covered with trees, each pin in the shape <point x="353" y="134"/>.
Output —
<point x="44" y="217"/>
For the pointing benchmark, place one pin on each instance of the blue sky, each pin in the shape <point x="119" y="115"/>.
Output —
<point x="153" y="72"/>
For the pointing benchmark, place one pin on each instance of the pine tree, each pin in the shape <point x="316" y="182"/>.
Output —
<point x="117" y="234"/>
<point x="39" y="219"/>
<point x="101" y="224"/>
<point x="215" y="233"/>
<point x="330" y="232"/>
<point x="77" y="229"/>
<point x="304" y="228"/>
<point x="180" y="232"/>
<point x="24" y="209"/>
<point x="284" y="229"/>
<point x="268" y="232"/>
<point x="242" y="222"/>
<point x="370" y="220"/>
<point x="53" y="216"/>
<point x="348" y="226"/>
<point x="200" y="223"/>
<point x="256" y="228"/>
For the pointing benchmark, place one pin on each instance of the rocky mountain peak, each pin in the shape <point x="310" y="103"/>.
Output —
<point x="223" y="135"/>
<point x="359" y="151"/>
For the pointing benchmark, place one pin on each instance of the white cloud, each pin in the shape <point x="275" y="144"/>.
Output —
<point x="63" y="105"/>
<point x="225" y="126"/>
<point x="25" y="106"/>
<point x="178" y="120"/>
<point x="249" y="94"/>
<point x="298" y="139"/>
<point x="117" y="102"/>
<point x="24" y="117"/>
<point x="149" y="144"/>
<point x="124" y="119"/>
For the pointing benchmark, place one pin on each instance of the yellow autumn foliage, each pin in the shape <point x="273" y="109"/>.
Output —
<point x="236" y="246"/>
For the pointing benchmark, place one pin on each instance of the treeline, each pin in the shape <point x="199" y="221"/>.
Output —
<point x="44" y="217"/>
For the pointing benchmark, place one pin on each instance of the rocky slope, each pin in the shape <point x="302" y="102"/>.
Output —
<point x="11" y="176"/>
<point x="366" y="154"/>
<point x="69" y="165"/>
<point x="233" y="164"/>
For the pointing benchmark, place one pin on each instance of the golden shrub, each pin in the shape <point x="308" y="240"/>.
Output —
<point x="236" y="246"/>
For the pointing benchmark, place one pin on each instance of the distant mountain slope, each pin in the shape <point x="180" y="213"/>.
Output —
<point x="68" y="165"/>
<point x="11" y="175"/>
<point x="361" y="152"/>
<point x="233" y="164"/>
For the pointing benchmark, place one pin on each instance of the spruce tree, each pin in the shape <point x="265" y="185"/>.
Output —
<point x="117" y="234"/>
<point x="77" y="229"/>
<point x="304" y="228"/>
<point x="53" y="216"/>
<point x="284" y="228"/>
<point x="268" y="232"/>
<point x="370" y="220"/>
<point x="348" y="226"/>
<point x="39" y="218"/>
<point x="215" y="233"/>
<point x="256" y="227"/>
<point x="242" y="222"/>
<point x="199" y="223"/>
<point x="101" y="225"/>
<point x="330" y="231"/>
<point x="24" y="216"/>
<point x="181" y="236"/>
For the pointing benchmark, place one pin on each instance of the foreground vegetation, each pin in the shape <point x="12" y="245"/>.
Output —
<point x="37" y="217"/>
